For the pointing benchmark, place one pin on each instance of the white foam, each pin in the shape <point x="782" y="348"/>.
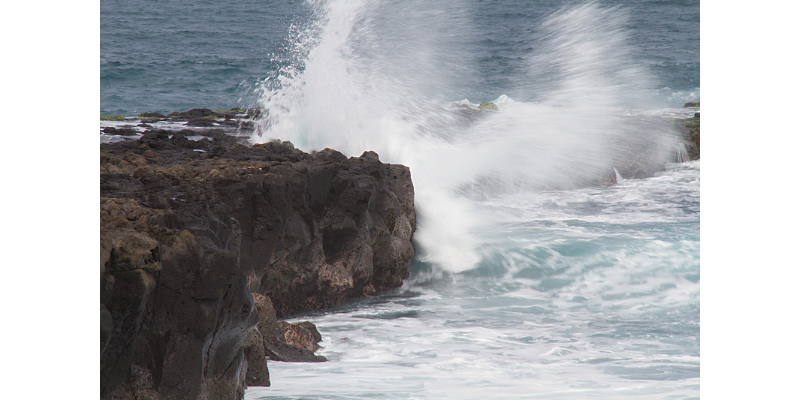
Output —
<point x="372" y="83"/>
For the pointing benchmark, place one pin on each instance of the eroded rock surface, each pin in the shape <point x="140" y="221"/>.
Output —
<point x="197" y="236"/>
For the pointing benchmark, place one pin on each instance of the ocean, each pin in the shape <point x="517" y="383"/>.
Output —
<point x="177" y="55"/>
<point x="528" y="282"/>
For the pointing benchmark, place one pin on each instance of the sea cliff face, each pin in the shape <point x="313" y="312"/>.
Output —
<point x="205" y="244"/>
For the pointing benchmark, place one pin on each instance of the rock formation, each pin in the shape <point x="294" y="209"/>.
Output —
<point x="689" y="133"/>
<point x="205" y="244"/>
<point x="643" y="152"/>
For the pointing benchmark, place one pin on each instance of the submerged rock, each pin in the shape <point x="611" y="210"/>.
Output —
<point x="205" y="244"/>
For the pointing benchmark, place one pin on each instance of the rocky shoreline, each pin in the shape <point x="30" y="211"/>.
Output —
<point x="206" y="243"/>
<point x="689" y="132"/>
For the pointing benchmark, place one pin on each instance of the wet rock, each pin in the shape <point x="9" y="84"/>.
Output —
<point x="152" y="115"/>
<point x="464" y="106"/>
<point x="689" y="133"/>
<point x="229" y="122"/>
<point x="278" y="350"/>
<point x="316" y="336"/>
<point x="488" y="105"/>
<point x="246" y="125"/>
<point x="203" y="122"/>
<point x="648" y="143"/>
<point x="253" y="112"/>
<point x="294" y="343"/>
<point x="226" y="114"/>
<point x="123" y="131"/>
<point x="300" y="336"/>
<point x="283" y="341"/>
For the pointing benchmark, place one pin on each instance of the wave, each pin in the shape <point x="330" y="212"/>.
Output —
<point x="382" y="76"/>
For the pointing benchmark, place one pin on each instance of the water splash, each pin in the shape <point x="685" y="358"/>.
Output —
<point x="382" y="75"/>
<point x="681" y="155"/>
<point x="617" y="176"/>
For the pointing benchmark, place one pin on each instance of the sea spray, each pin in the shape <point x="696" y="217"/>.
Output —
<point x="381" y="76"/>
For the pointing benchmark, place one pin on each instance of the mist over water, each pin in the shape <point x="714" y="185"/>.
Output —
<point x="530" y="281"/>
<point x="383" y="76"/>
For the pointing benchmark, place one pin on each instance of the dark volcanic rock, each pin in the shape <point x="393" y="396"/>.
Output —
<point x="175" y="313"/>
<point x="153" y="115"/>
<point x="283" y="341"/>
<point x="257" y="372"/>
<point x="123" y="131"/>
<point x="315" y="335"/>
<point x="650" y="143"/>
<point x="689" y="133"/>
<point x="294" y="343"/>
<point x="230" y="122"/>
<point x="268" y="323"/>
<point x="300" y="336"/>
<point x="191" y="114"/>
<point x="205" y="122"/>
<point x="253" y="112"/>
<point x="279" y="350"/>
<point x="227" y="114"/>
<point x="189" y="229"/>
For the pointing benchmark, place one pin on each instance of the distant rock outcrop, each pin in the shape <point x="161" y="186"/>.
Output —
<point x="643" y="158"/>
<point x="205" y="244"/>
<point x="689" y="133"/>
<point x="488" y="105"/>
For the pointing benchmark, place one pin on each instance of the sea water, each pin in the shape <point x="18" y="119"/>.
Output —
<point x="591" y="293"/>
<point x="529" y="281"/>
<point x="176" y="55"/>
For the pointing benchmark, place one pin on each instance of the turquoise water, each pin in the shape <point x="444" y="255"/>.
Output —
<point x="592" y="293"/>
<point x="526" y="283"/>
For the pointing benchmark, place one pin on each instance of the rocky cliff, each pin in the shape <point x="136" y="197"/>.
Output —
<point x="201" y="240"/>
